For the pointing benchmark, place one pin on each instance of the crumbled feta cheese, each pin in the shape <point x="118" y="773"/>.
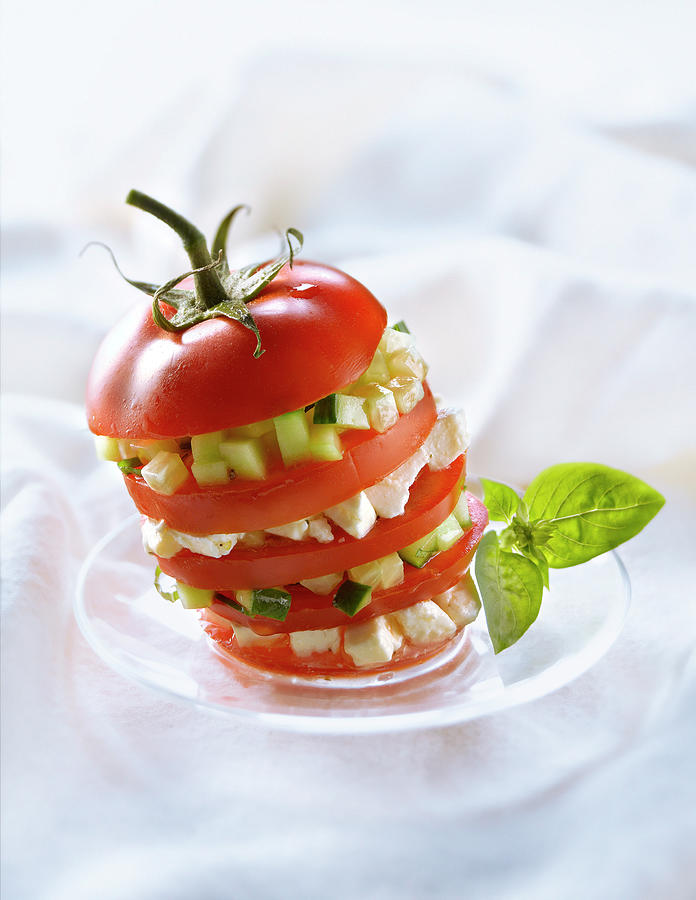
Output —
<point x="392" y="341"/>
<point x="423" y="623"/>
<point x="461" y="603"/>
<point x="355" y="515"/>
<point x="323" y="640"/>
<point x="447" y="440"/>
<point x="214" y="545"/>
<point x="296" y="531"/>
<point x="390" y="496"/>
<point x="320" y="529"/>
<point x="371" y="643"/>
<point x="158" y="540"/>
<point x="248" y="638"/>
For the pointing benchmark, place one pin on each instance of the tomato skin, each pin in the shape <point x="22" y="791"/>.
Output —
<point x="289" y="494"/>
<point x="319" y="329"/>
<point x="310" y="611"/>
<point x="282" y="561"/>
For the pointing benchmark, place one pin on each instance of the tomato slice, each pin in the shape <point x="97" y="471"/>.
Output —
<point x="309" y="611"/>
<point x="282" y="561"/>
<point x="289" y="494"/>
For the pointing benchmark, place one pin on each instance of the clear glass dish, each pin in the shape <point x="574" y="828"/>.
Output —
<point x="163" y="646"/>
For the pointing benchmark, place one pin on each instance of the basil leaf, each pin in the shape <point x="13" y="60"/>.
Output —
<point x="501" y="501"/>
<point x="588" y="509"/>
<point x="511" y="587"/>
<point x="130" y="466"/>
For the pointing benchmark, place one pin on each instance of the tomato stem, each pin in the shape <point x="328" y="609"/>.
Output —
<point x="209" y="289"/>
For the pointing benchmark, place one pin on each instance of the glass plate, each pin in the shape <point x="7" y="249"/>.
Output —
<point x="162" y="645"/>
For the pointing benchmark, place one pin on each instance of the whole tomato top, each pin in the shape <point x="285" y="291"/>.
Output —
<point x="319" y="329"/>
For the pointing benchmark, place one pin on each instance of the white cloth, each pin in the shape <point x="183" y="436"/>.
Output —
<point x="547" y="268"/>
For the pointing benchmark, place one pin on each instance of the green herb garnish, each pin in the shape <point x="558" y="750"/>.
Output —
<point x="130" y="466"/>
<point x="569" y="514"/>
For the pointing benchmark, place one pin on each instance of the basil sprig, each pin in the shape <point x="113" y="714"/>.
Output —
<point x="569" y="514"/>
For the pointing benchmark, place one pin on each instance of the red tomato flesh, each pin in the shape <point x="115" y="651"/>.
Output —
<point x="282" y="561"/>
<point x="309" y="610"/>
<point x="289" y="494"/>
<point x="319" y="329"/>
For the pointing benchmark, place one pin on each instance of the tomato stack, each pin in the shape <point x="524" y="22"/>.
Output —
<point x="296" y="481"/>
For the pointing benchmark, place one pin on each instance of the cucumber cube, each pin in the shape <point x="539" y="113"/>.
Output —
<point x="253" y="430"/>
<point x="392" y="570"/>
<point x="324" y="442"/>
<point x="377" y="372"/>
<point x="273" y="603"/>
<point x="461" y="512"/>
<point x="165" y="473"/>
<point x="324" y="584"/>
<point x="245" y="599"/>
<point x="210" y="472"/>
<point x="107" y="448"/>
<point x="194" y="598"/>
<point x="369" y="573"/>
<point x="246" y="456"/>
<point x="448" y="533"/>
<point x="206" y="447"/>
<point x="408" y="392"/>
<point x="380" y="405"/>
<point x="351" y="597"/>
<point x="419" y="552"/>
<point x="342" y="410"/>
<point x="292" y="432"/>
<point x="148" y="450"/>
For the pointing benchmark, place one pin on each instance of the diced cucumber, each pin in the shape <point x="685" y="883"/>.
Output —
<point x="246" y="456"/>
<point x="273" y="603"/>
<point x="351" y="597"/>
<point x="448" y="533"/>
<point x="292" y="432"/>
<point x="214" y="472"/>
<point x="324" y="584"/>
<point x="377" y="372"/>
<point x="194" y="598"/>
<point x="252" y="430"/>
<point x="107" y="448"/>
<point x="392" y="570"/>
<point x="419" y="552"/>
<point x="245" y="599"/>
<point x="148" y="450"/>
<point x="126" y="449"/>
<point x="341" y="409"/>
<point x="206" y="447"/>
<point x="401" y="326"/>
<point x="324" y="442"/>
<point x="369" y="573"/>
<point x="393" y="341"/>
<point x="165" y="473"/>
<point x="408" y="392"/>
<point x="380" y="405"/>
<point x="407" y="363"/>
<point x="461" y="512"/>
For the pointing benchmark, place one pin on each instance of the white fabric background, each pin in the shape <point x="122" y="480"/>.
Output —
<point x="521" y="188"/>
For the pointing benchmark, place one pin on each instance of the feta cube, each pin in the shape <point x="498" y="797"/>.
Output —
<point x="323" y="640"/>
<point x="320" y="529"/>
<point x="356" y="515"/>
<point x="157" y="539"/>
<point x="214" y="545"/>
<point x="296" y="531"/>
<point x="390" y="496"/>
<point x="423" y="623"/>
<point x="371" y="643"/>
<point x="461" y="603"/>
<point x="447" y="440"/>
<point x="248" y="638"/>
